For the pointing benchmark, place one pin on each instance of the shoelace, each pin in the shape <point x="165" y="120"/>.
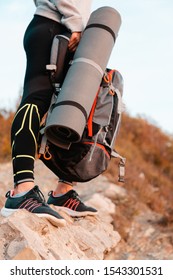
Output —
<point x="75" y="195"/>
<point x="73" y="201"/>
<point x="39" y="195"/>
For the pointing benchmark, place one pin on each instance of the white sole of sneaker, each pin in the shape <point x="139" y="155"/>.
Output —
<point x="73" y="213"/>
<point x="5" y="212"/>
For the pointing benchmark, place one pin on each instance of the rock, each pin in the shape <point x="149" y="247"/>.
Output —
<point x="27" y="254"/>
<point x="25" y="236"/>
<point x="104" y="205"/>
<point x="146" y="240"/>
<point x="125" y="228"/>
<point x="150" y="242"/>
<point x="115" y="192"/>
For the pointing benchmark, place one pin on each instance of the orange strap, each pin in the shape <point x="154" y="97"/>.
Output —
<point x="100" y="146"/>
<point x="107" y="79"/>
<point x="90" y="119"/>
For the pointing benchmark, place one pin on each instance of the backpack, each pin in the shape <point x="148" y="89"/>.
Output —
<point x="89" y="157"/>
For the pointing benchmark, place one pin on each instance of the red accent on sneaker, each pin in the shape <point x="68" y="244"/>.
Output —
<point x="30" y="205"/>
<point x="71" y="203"/>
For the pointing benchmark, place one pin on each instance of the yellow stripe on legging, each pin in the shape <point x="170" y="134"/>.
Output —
<point x="30" y="124"/>
<point x="26" y="156"/>
<point x="20" y="110"/>
<point x="12" y="145"/>
<point x="24" y="171"/>
<point x="36" y="108"/>
<point x="23" y="122"/>
<point x="26" y="105"/>
<point x="30" y="121"/>
<point x="32" y="106"/>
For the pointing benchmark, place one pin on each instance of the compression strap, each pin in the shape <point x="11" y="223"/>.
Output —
<point x="102" y="26"/>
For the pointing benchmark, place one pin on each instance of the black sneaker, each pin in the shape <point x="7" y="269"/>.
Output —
<point x="71" y="204"/>
<point x="34" y="202"/>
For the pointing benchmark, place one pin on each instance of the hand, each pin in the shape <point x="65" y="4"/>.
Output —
<point x="74" y="41"/>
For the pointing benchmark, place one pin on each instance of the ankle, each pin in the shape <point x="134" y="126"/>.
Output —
<point x="23" y="187"/>
<point x="62" y="188"/>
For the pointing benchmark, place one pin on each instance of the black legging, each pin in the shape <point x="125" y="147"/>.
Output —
<point x="36" y="98"/>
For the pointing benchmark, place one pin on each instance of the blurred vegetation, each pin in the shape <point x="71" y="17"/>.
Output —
<point x="149" y="167"/>
<point x="6" y="118"/>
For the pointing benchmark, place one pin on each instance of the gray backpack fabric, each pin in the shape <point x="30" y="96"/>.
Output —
<point x="88" y="158"/>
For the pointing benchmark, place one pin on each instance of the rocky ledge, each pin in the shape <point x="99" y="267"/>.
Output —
<point x="26" y="236"/>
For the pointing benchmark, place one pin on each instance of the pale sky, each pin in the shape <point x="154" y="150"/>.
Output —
<point x="143" y="53"/>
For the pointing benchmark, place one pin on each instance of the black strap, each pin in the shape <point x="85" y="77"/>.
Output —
<point x="102" y="26"/>
<point x="72" y="103"/>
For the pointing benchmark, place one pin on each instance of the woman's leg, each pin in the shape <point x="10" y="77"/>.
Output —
<point x="35" y="101"/>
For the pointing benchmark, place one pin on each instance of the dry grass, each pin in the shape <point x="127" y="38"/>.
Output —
<point x="149" y="167"/>
<point x="5" y="127"/>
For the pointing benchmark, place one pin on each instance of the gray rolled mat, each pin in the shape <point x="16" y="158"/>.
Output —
<point x="70" y="113"/>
